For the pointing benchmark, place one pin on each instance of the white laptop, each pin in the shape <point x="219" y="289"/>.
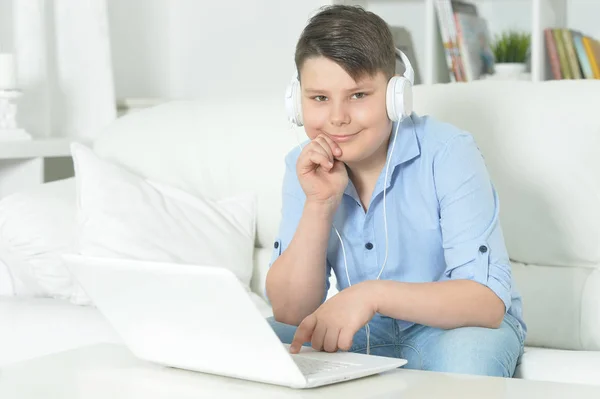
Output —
<point x="201" y="318"/>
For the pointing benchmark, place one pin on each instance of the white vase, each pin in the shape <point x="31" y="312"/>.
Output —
<point x="509" y="71"/>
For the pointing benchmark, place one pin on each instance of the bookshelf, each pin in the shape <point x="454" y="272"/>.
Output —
<point x="419" y="17"/>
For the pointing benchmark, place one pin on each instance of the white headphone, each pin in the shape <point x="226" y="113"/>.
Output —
<point x="399" y="98"/>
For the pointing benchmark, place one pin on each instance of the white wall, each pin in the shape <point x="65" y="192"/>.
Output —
<point x="6" y="37"/>
<point x="213" y="50"/>
<point x="140" y="34"/>
<point x="219" y="50"/>
<point x="583" y="15"/>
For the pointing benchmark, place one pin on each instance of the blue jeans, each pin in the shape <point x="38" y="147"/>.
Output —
<point x="466" y="350"/>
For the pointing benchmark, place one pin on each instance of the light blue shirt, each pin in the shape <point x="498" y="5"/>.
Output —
<point x="442" y="216"/>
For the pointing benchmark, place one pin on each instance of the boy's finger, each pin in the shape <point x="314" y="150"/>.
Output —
<point x="317" y="158"/>
<point x="320" y="148"/>
<point x="321" y="143"/>
<point x="345" y="339"/>
<point x="338" y="166"/>
<point x="330" y="344"/>
<point x="303" y="333"/>
<point x="318" y="336"/>
<point x="335" y="148"/>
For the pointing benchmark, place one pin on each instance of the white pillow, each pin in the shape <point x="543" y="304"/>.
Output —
<point x="36" y="227"/>
<point x="124" y="215"/>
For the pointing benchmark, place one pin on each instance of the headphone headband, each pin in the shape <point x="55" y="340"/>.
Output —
<point x="409" y="72"/>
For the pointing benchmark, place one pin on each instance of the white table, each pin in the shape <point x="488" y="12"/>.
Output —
<point x="111" y="371"/>
<point x="22" y="161"/>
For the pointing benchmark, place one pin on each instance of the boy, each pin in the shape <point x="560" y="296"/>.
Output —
<point x="428" y="279"/>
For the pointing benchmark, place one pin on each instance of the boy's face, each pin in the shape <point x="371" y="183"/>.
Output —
<point x="352" y="113"/>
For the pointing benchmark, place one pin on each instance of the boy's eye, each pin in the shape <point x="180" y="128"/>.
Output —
<point x="359" y="95"/>
<point x="320" y="98"/>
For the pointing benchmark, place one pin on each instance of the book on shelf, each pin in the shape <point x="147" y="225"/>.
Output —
<point x="564" y="65"/>
<point x="571" y="54"/>
<point x="553" y="54"/>
<point x="592" y="49"/>
<point x="466" y="40"/>
<point x="404" y="42"/>
<point x="584" y="62"/>
<point x="449" y="40"/>
<point x="474" y="43"/>
<point x="464" y="7"/>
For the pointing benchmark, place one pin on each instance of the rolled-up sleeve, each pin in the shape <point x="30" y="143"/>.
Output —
<point x="474" y="247"/>
<point x="292" y="206"/>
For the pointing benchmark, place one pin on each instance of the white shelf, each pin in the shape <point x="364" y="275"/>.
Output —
<point x="42" y="148"/>
<point x="532" y="15"/>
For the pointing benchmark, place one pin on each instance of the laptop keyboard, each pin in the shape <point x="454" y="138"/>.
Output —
<point x="309" y="366"/>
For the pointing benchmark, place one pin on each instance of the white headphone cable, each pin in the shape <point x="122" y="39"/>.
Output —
<point x="387" y="168"/>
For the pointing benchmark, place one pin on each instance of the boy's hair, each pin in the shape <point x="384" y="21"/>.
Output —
<point x="357" y="40"/>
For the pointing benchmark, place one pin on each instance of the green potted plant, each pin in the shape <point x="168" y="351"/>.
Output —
<point x="511" y="50"/>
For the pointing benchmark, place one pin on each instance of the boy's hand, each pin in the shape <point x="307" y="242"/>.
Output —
<point x="333" y="325"/>
<point x="322" y="177"/>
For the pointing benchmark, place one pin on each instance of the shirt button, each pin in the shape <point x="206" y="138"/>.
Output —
<point x="483" y="249"/>
<point x="276" y="245"/>
<point x="369" y="246"/>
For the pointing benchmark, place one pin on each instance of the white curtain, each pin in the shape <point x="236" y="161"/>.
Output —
<point x="64" y="67"/>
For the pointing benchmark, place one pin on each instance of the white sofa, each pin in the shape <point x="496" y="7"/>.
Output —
<point x="540" y="142"/>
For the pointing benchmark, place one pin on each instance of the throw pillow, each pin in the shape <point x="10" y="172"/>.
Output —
<point x="37" y="226"/>
<point x="124" y="215"/>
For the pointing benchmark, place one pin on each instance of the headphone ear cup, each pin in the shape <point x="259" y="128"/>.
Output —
<point x="293" y="102"/>
<point x="399" y="99"/>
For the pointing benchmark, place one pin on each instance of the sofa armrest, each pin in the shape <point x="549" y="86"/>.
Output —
<point x="561" y="305"/>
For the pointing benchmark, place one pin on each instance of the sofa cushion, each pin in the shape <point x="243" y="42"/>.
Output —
<point x="561" y="305"/>
<point x="262" y="258"/>
<point x="559" y="366"/>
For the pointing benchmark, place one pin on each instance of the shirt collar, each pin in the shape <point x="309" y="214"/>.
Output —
<point x="406" y="149"/>
<point x="407" y="146"/>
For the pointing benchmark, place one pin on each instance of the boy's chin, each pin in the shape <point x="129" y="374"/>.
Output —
<point x="353" y="156"/>
<point x="356" y="154"/>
